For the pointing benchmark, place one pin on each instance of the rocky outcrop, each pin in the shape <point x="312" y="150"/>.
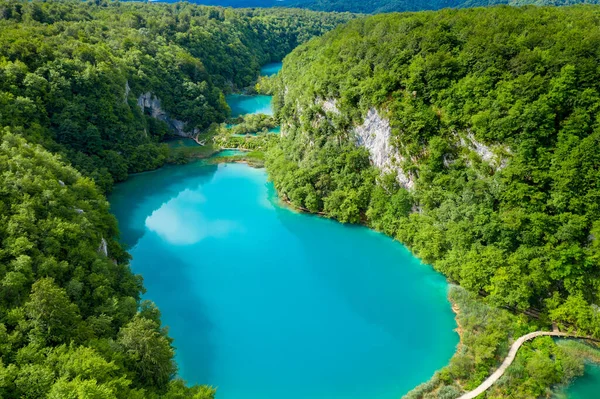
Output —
<point x="150" y="104"/>
<point x="127" y="91"/>
<point x="374" y="134"/>
<point x="329" y="105"/>
<point x="103" y="248"/>
<point x="489" y="154"/>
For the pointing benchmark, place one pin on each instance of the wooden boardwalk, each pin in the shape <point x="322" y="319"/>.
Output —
<point x="509" y="359"/>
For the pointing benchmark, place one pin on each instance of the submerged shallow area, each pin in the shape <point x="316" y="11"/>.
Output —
<point x="264" y="302"/>
<point x="584" y="387"/>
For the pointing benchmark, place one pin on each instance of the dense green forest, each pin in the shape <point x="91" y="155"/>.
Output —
<point x="493" y="122"/>
<point x="71" y="73"/>
<point x="381" y="6"/>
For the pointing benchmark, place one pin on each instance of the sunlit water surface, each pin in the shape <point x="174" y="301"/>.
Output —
<point x="267" y="303"/>
<point x="242" y="104"/>
<point x="584" y="387"/>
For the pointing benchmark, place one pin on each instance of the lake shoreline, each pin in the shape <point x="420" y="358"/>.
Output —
<point x="156" y="212"/>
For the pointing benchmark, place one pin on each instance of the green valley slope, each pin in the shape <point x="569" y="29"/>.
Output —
<point x="103" y="84"/>
<point x="382" y="6"/>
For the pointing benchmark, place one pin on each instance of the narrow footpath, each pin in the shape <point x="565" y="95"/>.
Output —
<point x="509" y="359"/>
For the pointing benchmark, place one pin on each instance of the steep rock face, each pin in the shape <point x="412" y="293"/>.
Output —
<point x="330" y="105"/>
<point x="103" y="247"/>
<point x="374" y="134"/>
<point x="127" y="91"/>
<point x="150" y="104"/>
<point x="496" y="156"/>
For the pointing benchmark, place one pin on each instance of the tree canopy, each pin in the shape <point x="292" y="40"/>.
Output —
<point x="381" y="6"/>
<point x="70" y="321"/>
<point x="71" y="73"/>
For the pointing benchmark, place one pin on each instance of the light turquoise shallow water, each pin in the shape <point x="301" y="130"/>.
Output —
<point x="585" y="387"/>
<point x="267" y="303"/>
<point x="242" y="104"/>
<point x="229" y="153"/>
<point x="270" y="69"/>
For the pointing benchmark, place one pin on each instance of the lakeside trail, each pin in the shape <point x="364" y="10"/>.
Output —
<point x="511" y="356"/>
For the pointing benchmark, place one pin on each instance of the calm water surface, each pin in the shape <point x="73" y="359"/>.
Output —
<point x="180" y="142"/>
<point x="584" y="387"/>
<point x="267" y="303"/>
<point x="242" y="104"/>
<point x="270" y="69"/>
<point x="229" y="153"/>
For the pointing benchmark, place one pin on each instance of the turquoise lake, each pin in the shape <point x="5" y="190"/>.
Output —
<point x="242" y="104"/>
<point x="229" y="153"/>
<point x="267" y="303"/>
<point x="584" y="387"/>
<point x="180" y="142"/>
<point x="270" y="69"/>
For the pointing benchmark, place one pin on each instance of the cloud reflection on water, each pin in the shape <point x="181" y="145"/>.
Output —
<point x="183" y="221"/>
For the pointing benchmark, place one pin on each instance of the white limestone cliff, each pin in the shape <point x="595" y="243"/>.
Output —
<point x="149" y="103"/>
<point x="374" y="134"/>
<point x="490" y="154"/>
<point x="103" y="248"/>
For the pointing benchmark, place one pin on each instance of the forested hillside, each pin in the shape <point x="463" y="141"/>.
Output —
<point x="485" y="124"/>
<point x="71" y="73"/>
<point x="71" y="324"/>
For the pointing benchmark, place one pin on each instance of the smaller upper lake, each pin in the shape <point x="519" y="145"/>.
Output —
<point x="229" y="153"/>
<point x="270" y="69"/>
<point x="242" y="104"/>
